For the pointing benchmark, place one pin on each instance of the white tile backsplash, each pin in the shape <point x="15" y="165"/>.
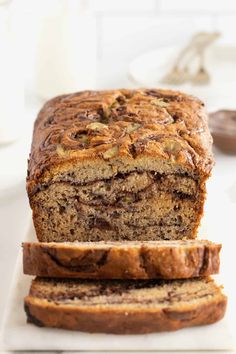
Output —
<point x="120" y="27"/>
<point x="210" y="6"/>
<point x="128" y="28"/>
<point x="122" y="5"/>
<point x="144" y="24"/>
<point x="160" y="27"/>
<point x="144" y="33"/>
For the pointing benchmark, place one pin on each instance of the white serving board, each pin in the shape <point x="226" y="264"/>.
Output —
<point x="18" y="335"/>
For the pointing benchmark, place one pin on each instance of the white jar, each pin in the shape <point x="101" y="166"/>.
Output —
<point x="66" y="50"/>
<point x="11" y="81"/>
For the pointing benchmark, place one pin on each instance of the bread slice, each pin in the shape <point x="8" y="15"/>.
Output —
<point x="122" y="260"/>
<point x="124" y="307"/>
<point x="119" y="165"/>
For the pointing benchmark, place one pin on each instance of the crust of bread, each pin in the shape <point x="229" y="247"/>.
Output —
<point x="123" y="321"/>
<point x="122" y="260"/>
<point x="134" y="129"/>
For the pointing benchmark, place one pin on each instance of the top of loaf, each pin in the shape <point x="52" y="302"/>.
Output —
<point x="111" y="130"/>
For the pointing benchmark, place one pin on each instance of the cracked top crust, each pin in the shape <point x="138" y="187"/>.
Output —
<point x="119" y="127"/>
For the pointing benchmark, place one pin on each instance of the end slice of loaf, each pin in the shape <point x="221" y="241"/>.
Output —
<point x="124" y="307"/>
<point x="122" y="260"/>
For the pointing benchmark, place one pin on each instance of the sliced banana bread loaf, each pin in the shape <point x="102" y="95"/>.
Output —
<point x="124" y="307"/>
<point x="119" y="165"/>
<point x="122" y="260"/>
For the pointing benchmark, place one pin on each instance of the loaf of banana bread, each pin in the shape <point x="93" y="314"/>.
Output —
<point x="124" y="307"/>
<point x="122" y="260"/>
<point x="119" y="165"/>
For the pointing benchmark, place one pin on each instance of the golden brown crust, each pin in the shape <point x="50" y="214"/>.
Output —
<point x="124" y="320"/>
<point x="122" y="260"/>
<point x="127" y="125"/>
<point x="72" y="318"/>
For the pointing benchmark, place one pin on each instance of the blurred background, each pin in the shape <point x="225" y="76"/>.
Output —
<point x="50" y="47"/>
